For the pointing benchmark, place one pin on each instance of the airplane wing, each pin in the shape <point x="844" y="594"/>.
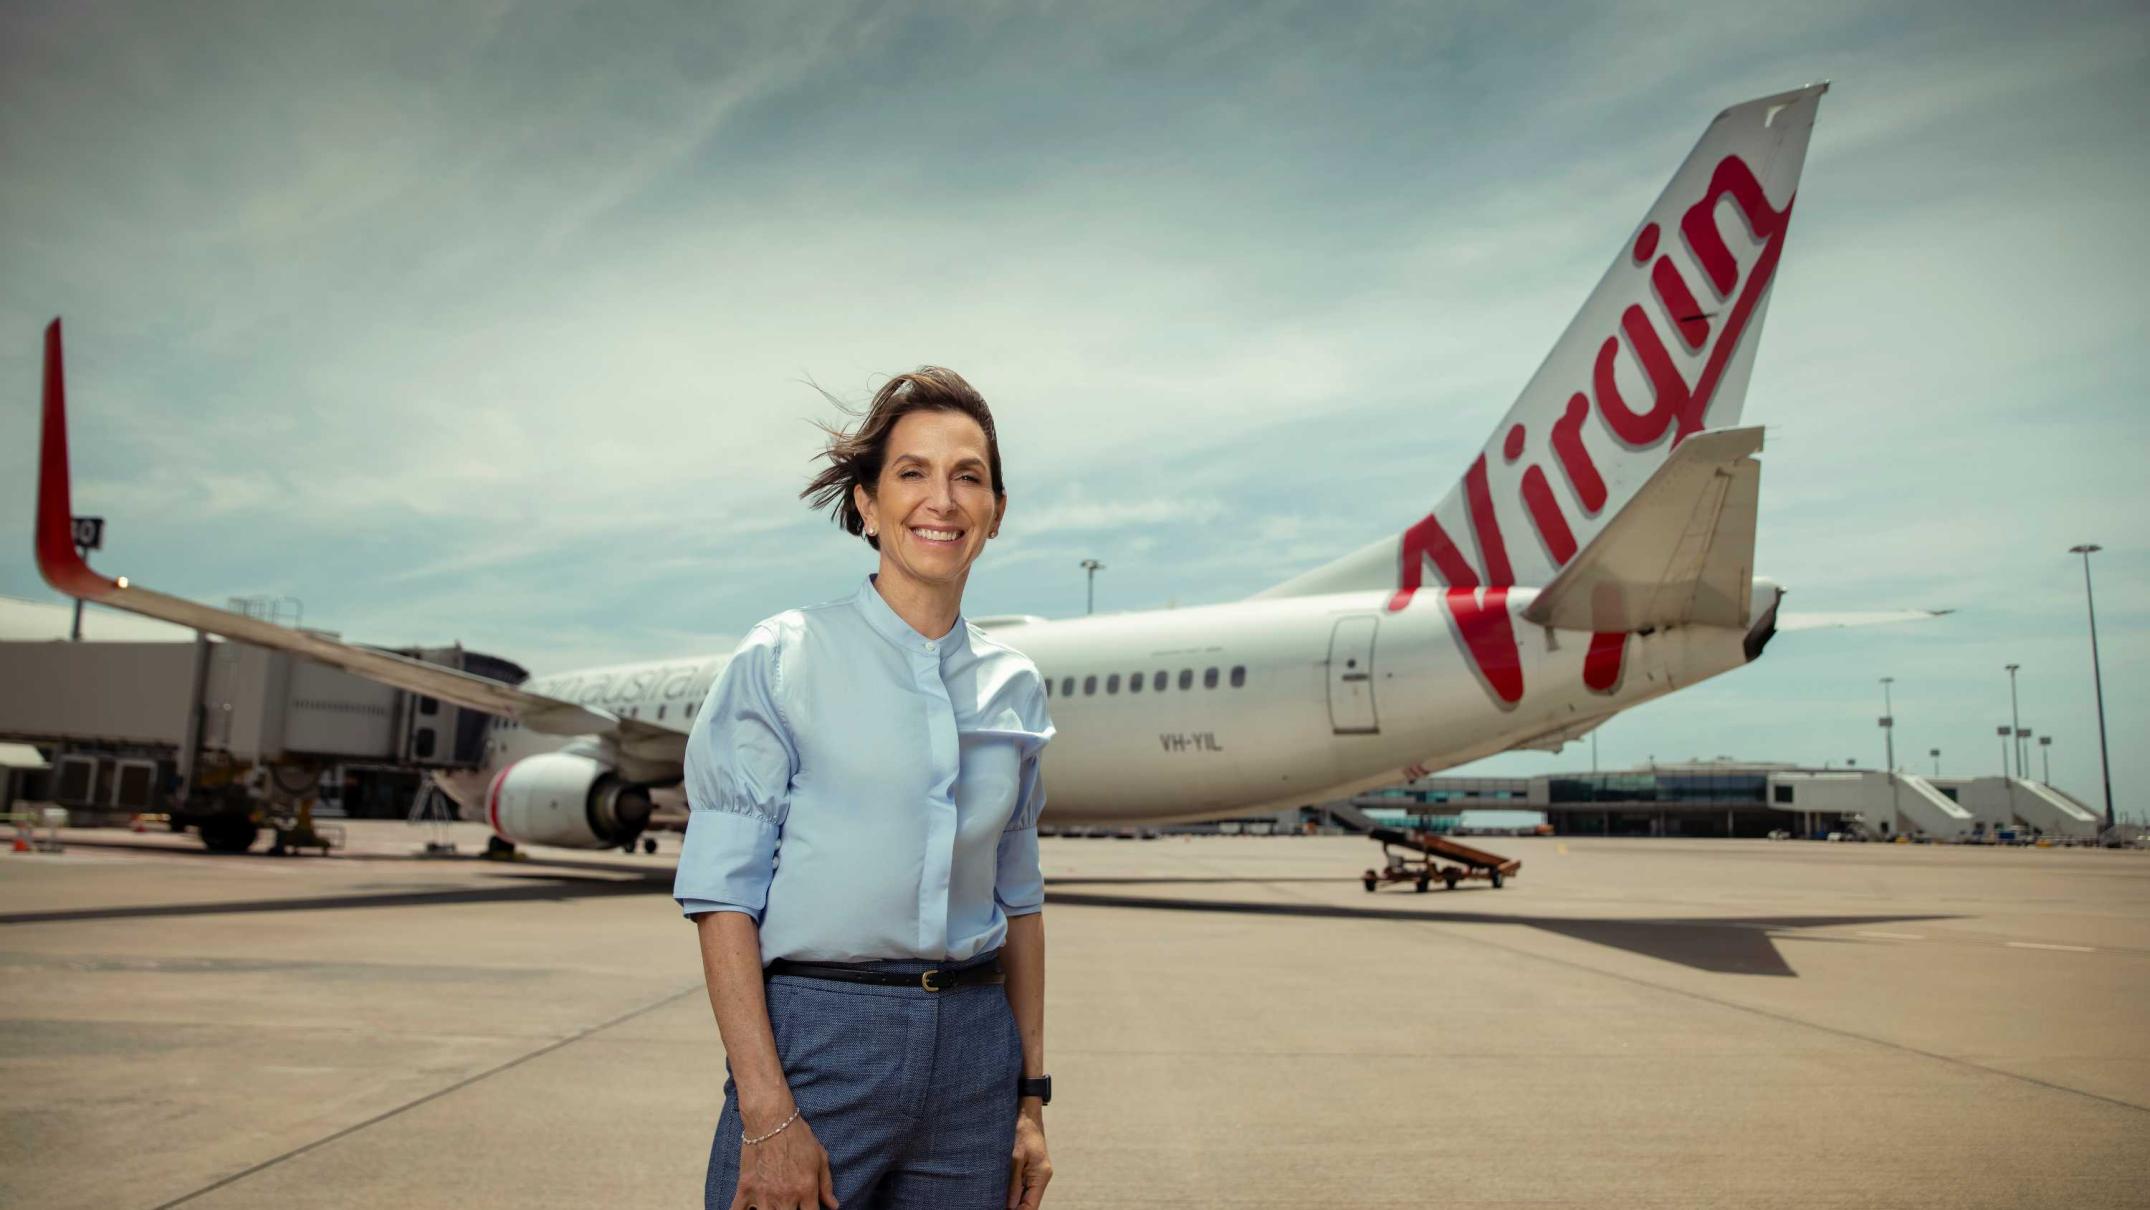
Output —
<point x="64" y="568"/>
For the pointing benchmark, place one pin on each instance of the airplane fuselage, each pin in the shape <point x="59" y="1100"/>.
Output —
<point x="1248" y="706"/>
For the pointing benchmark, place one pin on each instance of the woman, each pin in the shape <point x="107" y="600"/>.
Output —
<point x="862" y="854"/>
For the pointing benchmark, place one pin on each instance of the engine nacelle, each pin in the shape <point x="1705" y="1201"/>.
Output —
<point x="559" y="798"/>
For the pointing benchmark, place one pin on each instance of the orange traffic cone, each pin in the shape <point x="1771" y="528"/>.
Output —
<point x="21" y="845"/>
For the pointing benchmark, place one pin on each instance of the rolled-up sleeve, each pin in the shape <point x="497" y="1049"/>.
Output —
<point x="1018" y="883"/>
<point x="739" y="763"/>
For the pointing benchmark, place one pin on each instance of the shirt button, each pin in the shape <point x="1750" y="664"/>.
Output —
<point x="929" y="645"/>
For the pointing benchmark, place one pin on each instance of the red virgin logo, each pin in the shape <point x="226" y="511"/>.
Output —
<point x="1477" y="597"/>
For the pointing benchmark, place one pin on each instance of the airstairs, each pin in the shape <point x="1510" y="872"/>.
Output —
<point x="1921" y="806"/>
<point x="2050" y="811"/>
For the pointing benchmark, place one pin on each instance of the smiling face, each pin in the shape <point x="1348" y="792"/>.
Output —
<point x="934" y="506"/>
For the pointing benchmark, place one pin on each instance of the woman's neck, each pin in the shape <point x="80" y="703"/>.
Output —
<point x="930" y="609"/>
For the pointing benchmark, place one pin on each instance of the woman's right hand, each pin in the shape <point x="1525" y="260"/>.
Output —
<point x="788" y="1171"/>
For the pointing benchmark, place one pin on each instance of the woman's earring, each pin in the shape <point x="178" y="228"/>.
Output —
<point x="872" y="532"/>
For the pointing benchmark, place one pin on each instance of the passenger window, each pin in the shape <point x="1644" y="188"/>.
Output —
<point x="1239" y="675"/>
<point x="660" y="712"/>
<point x="1209" y="678"/>
<point x="1157" y="683"/>
<point x="1067" y="686"/>
<point x="1186" y="678"/>
<point x="1112" y="683"/>
<point x="1089" y="685"/>
<point x="1134" y="683"/>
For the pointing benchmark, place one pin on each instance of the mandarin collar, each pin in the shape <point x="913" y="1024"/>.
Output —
<point x="890" y="625"/>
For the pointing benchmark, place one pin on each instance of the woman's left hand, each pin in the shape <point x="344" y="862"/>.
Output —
<point x="1026" y="1183"/>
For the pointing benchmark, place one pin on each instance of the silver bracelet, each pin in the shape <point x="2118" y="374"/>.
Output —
<point x="744" y="1141"/>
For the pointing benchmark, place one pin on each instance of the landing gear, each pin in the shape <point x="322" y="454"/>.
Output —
<point x="1422" y="883"/>
<point x="229" y="833"/>
<point x="1451" y="876"/>
<point x="500" y="849"/>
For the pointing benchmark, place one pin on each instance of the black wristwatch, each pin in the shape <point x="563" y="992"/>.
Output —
<point x="1041" y="1088"/>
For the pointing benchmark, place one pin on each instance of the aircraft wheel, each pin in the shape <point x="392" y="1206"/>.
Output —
<point x="1448" y="879"/>
<point x="1422" y="883"/>
<point x="1496" y="880"/>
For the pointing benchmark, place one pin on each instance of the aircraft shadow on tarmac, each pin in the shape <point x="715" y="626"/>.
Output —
<point x="547" y="887"/>
<point x="1742" y="945"/>
<point x="1725" y="945"/>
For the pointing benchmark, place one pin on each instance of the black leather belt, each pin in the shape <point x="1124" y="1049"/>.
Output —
<point x="931" y="980"/>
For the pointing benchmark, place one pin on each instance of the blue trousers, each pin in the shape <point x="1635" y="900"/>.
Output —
<point x="911" y="1092"/>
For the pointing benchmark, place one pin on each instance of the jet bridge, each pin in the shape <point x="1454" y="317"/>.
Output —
<point x="221" y="734"/>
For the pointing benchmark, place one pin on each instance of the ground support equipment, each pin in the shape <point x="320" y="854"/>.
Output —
<point x="1417" y="858"/>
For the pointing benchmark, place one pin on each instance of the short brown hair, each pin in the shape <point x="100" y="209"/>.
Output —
<point x="856" y="456"/>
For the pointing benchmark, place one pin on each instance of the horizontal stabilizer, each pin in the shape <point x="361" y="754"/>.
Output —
<point x="1680" y="552"/>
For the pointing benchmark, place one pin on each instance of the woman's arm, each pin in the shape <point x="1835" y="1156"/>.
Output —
<point x="731" y="964"/>
<point x="1022" y="956"/>
<point x="790" y="1168"/>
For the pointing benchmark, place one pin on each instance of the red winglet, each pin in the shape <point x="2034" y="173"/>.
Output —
<point x="57" y="557"/>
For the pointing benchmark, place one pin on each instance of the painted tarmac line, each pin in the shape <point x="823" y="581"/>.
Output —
<point x="1894" y="936"/>
<point x="2040" y="945"/>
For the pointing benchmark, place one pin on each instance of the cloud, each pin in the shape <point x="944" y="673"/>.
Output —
<point x="493" y="321"/>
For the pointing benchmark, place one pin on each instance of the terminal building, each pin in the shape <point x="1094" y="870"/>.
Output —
<point x="1735" y="798"/>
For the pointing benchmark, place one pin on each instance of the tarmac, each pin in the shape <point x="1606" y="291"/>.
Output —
<point x="1231" y="1022"/>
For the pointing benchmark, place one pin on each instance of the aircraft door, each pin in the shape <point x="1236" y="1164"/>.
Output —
<point x="1351" y="676"/>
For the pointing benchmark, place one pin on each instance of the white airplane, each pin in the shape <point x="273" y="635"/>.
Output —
<point x="1595" y="555"/>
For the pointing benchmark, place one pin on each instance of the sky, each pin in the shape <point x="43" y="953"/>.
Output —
<point x="508" y="323"/>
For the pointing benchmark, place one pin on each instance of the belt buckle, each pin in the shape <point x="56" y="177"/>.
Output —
<point x="925" y="980"/>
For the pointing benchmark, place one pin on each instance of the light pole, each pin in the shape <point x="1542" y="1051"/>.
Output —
<point x="2004" y="731"/>
<point x="2045" y="756"/>
<point x="1091" y="566"/>
<point x="1936" y="754"/>
<point x="89" y="535"/>
<point x="2097" y="679"/>
<point x="2015" y="719"/>
<point x="1888" y="725"/>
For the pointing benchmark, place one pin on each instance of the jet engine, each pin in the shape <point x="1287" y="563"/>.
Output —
<point x="559" y="798"/>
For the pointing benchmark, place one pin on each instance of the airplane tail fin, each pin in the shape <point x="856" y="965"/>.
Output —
<point x="1660" y="351"/>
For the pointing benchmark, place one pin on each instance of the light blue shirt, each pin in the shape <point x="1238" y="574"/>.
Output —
<point x="864" y="791"/>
